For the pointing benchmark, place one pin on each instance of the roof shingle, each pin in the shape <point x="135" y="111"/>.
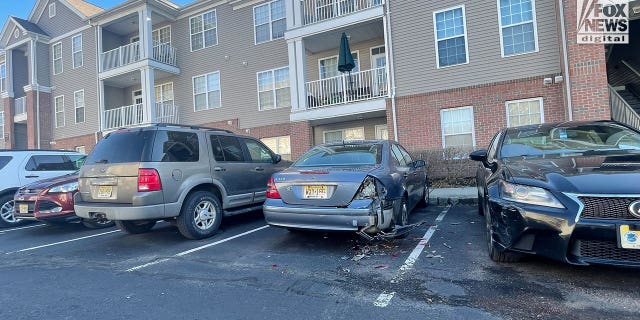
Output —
<point x="29" y="26"/>
<point x="86" y="8"/>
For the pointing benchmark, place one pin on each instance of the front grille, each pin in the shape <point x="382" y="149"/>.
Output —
<point x="46" y="205"/>
<point x="607" y="208"/>
<point x="17" y="204"/>
<point x="607" y="250"/>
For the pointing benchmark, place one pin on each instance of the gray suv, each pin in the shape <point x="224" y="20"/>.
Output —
<point x="190" y="176"/>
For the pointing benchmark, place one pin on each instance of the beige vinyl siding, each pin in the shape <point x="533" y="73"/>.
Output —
<point x="364" y="54"/>
<point x="64" y="21"/>
<point x="72" y="80"/>
<point x="238" y="82"/>
<point x="114" y="97"/>
<point x="20" y="73"/>
<point x="368" y="124"/>
<point x="44" y="64"/>
<point x="11" y="38"/>
<point x="415" y="51"/>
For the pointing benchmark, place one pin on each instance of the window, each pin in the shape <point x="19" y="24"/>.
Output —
<point x="78" y="103"/>
<point x="273" y="89"/>
<point x="81" y="149"/>
<point x="50" y="163"/>
<point x="269" y="21"/>
<point x="382" y="132"/>
<point x="451" y="37"/>
<point x="175" y="146"/>
<point x="344" y="135"/>
<point x="397" y="154"/>
<point x="57" y="58"/>
<point x="131" y="146"/>
<point x="164" y="93"/>
<point x="258" y="152"/>
<point x="204" y="30"/>
<point x="329" y="66"/>
<point x="59" y="109"/>
<point x="524" y="112"/>
<point x="52" y="10"/>
<point x="280" y="145"/>
<point x="2" y="125"/>
<point x="226" y="148"/>
<point x="457" y="128"/>
<point x="4" y="161"/>
<point x="518" y="32"/>
<point x="3" y="77"/>
<point x="76" y="51"/>
<point x="206" y="91"/>
<point x="161" y="35"/>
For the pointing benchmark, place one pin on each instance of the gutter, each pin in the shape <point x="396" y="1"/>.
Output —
<point x="565" y="57"/>
<point x="34" y="59"/>
<point x="99" y="91"/>
<point x="391" y="70"/>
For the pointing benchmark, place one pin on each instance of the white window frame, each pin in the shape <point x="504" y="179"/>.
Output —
<point x="169" y="27"/>
<point x="56" y="112"/>
<point x="357" y="52"/>
<point x="75" y="107"/>
<point x="473" y="125"/>
<point x="274" y="89"/>
<point x="74" y="51"/>
<point x="466" y="36"/>
<point x="324" y="140"/>
<point x="277" y="142"/>
<point x="81" y="149"/>
<point x="202" y="31"/>
<point x="53" y="58"/>
<point x="539" y="99"/>
<point x="270" y="23"/>
<point x="207" y="92"/>
<point x="378" y="128"/>
<point x="52" y="10"/>
<point x="3" y="80"/>
<point x="2" y="124"/>
<point x="173" y="101"/>
<point x="535" y="30"/>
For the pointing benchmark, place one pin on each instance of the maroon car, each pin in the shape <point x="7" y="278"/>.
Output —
<point x="51" y="201"/>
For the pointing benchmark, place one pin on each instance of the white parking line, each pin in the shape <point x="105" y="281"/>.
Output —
<point x="183" y="253"/>
<point x="61" y="242"/>
<point x="385" y="297"/>
<point x="20" y="228"/>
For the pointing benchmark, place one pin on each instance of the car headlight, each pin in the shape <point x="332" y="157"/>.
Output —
<point x="527" y="194"/>
<point x="64" y="188"/>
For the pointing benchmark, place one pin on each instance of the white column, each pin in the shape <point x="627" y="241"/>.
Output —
<point x="300" y="76"/>
<point x="145" y="28"/>
<point x="8" y="60"/>
<point x="297" y="12"/>
<point x="293" y="75"/>
<point x="101" y="106"/>
<point x="289" y="8"/>
<point x="32" y="62"/>
<point x="99" y="47"/>
<point x="148" y="94"/>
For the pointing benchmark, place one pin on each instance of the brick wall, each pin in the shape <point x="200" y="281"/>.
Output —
<point x="46" y="120"/>
<point x="301" y="138"/>
<point x="419" y="115"/>
<point x="88" y="141"/>
<point x="9" y="111"/>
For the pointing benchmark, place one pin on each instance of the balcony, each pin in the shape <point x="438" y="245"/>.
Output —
<point x="20" y="110"/>
<point x="131" y="53"/>
<point x="320" y="10"/>
<point x="360" y="86"/>
<point x="133" y="115"/>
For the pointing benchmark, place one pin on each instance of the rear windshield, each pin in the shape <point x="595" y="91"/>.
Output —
<point x="4" y="160"/>
<point x="341" y="155"/>
<point x="123" y="146"/>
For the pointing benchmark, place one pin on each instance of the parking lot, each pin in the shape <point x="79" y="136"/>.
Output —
<point x="251" y="271"/>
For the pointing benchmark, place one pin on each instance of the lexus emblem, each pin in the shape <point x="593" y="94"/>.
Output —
<point x="634" y="208"/>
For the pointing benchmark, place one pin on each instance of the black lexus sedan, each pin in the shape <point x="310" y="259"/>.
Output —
<point x="568" y="191"/>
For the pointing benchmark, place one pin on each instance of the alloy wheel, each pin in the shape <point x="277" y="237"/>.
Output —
<point x="6" y="212"/>
<point x="204" y="215"/>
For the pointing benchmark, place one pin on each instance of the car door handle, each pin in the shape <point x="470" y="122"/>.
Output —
<point x="259" y="169"/>
<point x="219" y="169"/>
<point x="32" y="176"/>
<point x="405" y="175"/>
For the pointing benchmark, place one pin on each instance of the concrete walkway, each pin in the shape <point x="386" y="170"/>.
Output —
<point x="464" y="195"/>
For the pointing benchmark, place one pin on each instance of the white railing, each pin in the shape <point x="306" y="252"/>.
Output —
<point x="164" y="53"/>
<point x="134" y="115"/>
<point x="20" y="106"/>
<point x="360" y="86"/>
<point x="120" y="56"/>
<point x="319" y="10"/>
<point x="621" y="111"/>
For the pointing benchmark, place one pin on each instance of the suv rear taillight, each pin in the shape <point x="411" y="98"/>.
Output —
<point x="148" y="180"/>
<point x="272" y="191"/>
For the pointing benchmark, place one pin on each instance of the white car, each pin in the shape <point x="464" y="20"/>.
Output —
<point x="21" y="167"/>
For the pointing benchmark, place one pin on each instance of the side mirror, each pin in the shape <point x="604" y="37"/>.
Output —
<point x="478" y="155"/>
<point x="419" y="164"/>
<point x="277" y="158"/>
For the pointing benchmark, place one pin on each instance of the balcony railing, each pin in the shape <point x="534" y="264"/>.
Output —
<point x="120" y="56"/>
<point x="134" y="115"/>
<point x="318" y="10"/>
<point x="360" y="86"/>
<point x="164" y="53"/>
<point x="20" y="106"/>
<point x="621" y="111"/>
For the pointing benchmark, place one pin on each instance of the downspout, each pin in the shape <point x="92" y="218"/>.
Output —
<point x="99" y="91"/>
<point x="35" y="69"/>
<point x="392" y="80"/>
<point x="567" y="81"/>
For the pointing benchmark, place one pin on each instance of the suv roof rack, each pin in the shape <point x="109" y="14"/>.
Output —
<point x="192" y="127"/>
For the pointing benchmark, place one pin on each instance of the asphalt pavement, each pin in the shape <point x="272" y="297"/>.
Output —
<point x="250" y="271"/>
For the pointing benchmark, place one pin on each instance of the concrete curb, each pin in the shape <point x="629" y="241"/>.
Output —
<point x="461" y="196"/>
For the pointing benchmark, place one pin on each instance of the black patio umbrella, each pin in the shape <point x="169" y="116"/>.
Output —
<point x="345" y="60"/>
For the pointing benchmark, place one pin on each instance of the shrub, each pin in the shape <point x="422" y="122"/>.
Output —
<point x="448" y="167"/>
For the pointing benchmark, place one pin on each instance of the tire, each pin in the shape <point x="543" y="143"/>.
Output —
<point x="480" y="204"/>
<point x="401" y="212"/>
<point x="496" y="253"/>
<point x="135" y="226"/>
<point x="7" y="219"/>
<point x="93" y="224"/>
<point x="200" y="216"/>
<point x="425" y="195"/>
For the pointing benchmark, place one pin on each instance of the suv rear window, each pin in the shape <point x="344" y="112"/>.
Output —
<point x="123" y="146"/>
<point x="4" y="160"/>
<point x="176" y="146"/>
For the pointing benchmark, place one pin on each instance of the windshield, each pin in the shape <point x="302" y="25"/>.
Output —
<point x="596" y="138"/>
<point x="341" y="155"/>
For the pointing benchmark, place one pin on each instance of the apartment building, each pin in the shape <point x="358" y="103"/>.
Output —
<point x="431" y="74"/>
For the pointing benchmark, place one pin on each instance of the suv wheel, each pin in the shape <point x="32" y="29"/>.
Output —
<point x="135" y="226"/>
<point x="7" y="219"/>
<point x="200" y="216"/>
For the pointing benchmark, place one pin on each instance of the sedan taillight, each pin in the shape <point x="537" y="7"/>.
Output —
<point x="272" y="191"/>
<point x="149" y="180"/>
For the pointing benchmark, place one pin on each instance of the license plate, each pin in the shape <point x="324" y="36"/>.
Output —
<point x="105" y="191"/>
<point x="23" y="208"/>
<point x="629" y="239"/>
<point x="315" y="192"/>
